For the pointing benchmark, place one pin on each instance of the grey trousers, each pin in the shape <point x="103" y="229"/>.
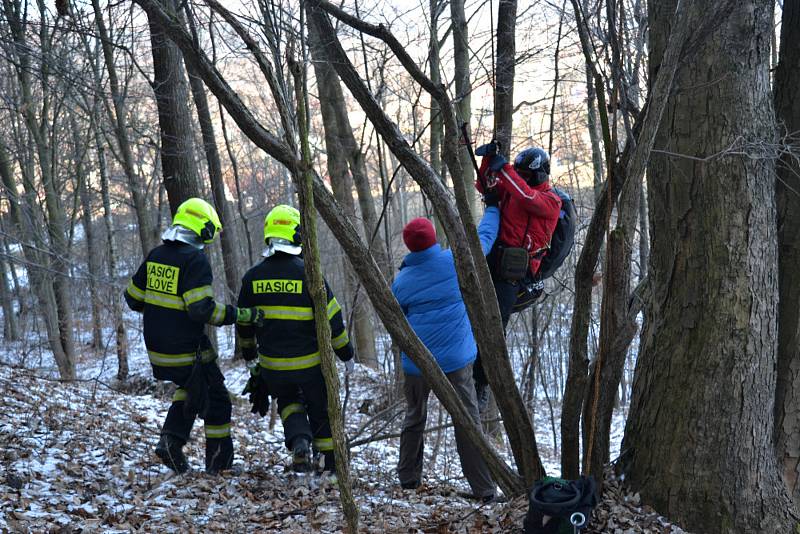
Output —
<point x="412" y="439"/>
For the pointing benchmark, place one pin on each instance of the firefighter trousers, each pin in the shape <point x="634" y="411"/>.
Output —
<point x="219" y="446"/>
<point x="303" y="406"/>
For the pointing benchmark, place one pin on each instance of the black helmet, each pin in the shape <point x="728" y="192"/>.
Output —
<point x="533" y="164"/>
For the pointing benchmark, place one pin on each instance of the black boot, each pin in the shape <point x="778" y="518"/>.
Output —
<point x="170" y="451"/>
<point x="301" y="455"/>
<point x="219" y="455"/>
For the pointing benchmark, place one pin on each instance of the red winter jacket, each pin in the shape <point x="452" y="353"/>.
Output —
<point x="528" y="215"/>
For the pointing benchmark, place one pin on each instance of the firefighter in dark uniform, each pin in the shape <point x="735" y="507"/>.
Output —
<point x="286" y="345"/>
<point x="172" y="289"/>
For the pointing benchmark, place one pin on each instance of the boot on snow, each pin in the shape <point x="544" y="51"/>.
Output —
<point x="219" y="455"/>
<point x="170" y="451"/>
<point x="301" y="455"/>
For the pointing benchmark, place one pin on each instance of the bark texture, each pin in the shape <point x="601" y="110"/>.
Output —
<point x="787" y="108"/>
<point x="463" y="102"/>
<point x="178" y="164"/>
<point x="706" y="371"/>
<point x="504" y="74"/>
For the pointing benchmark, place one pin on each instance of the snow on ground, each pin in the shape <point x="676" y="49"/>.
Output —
<point x="80" y="455"/>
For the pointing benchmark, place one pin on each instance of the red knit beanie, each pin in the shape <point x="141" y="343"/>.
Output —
<point x="419" y="234"/>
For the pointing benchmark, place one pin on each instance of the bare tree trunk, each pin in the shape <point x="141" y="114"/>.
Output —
<point x="434" y="61"/>
<point x="89" y="235"/>
<point x="504" y="74"/>
<point x="644" y="237"/>
<point x="787" y="107"/>
<point x="119" y="119"/>
<point x="121" y="336"/>
<point x="463" y="102"/>
<point x="10" y="329"/>
<point x="342" y="186"/>
<point x="630" y="166"/>
<point x="706" y="370"/>
<point x="178" y="164"/>
<point x="471" y="266"/>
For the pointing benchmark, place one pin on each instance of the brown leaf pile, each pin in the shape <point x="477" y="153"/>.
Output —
<point x="77" y="457"/>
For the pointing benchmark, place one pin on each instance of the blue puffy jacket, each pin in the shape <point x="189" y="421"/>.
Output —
<point x="427" y="289"/>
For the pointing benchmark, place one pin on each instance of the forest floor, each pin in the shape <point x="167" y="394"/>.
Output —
<point x="77" y="457"/>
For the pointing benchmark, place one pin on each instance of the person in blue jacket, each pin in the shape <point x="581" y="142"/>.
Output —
<point x="428" y="292"/>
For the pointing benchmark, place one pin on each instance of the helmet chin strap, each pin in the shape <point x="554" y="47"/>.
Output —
<point x="184" y="235"/>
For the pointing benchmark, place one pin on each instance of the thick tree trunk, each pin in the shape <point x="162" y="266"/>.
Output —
<point x="369" y="273"/>
<point x="178" y="164"/>
<point x="120" y="121"/>
<point x="342" y="185"/>
<point x="787" y="107"/>
<point x="706" y="371"/>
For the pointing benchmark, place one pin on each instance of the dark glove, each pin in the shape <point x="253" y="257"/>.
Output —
<point x="250" y="316"/>
<point x="497" y="162"/>
<point x="491" y="198"/>
<point x="259" y="392"/>
<point x="489" y="149"/>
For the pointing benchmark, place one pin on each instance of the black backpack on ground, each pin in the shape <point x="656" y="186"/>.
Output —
<point x="561" y="243"/>
<point x="567" y="503"/>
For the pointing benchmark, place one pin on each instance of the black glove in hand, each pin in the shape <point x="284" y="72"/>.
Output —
<point x="259" y="393"/>
<point x="491" y="198"/>
<point x="489" y="149"/>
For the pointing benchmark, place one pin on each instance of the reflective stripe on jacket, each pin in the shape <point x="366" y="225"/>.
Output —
<point x="172" y="288"/>
<point x="288" y="339"/>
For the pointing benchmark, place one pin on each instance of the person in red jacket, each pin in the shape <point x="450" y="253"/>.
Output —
<point x="529" y="211"/>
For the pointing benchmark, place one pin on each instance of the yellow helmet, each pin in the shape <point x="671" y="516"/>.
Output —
<point x="200" y="217"/>
<point x="283" y="222"/>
